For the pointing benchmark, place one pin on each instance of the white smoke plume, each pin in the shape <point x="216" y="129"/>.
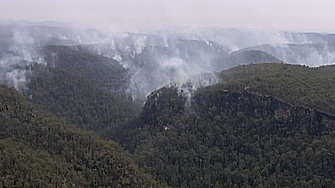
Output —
<point x="170" y="71"/>
<point x="22" y="43"/>
<point x="156" y="60"/>
<point x="22" y="52"/>
<point x="162" y="57"/>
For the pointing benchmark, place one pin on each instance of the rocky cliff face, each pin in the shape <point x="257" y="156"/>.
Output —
<point x="165" y="104"/>
<point x="255" y="105"/>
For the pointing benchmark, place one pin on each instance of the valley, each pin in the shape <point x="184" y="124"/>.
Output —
<point x="84" y="108"/>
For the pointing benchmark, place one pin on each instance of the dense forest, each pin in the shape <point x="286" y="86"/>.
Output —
<point x="81" y="87"/>
<point x="38" y="150"/>
<point x="231" y="139"/>
<point x="75" y="125"/>
<point x="263" y="126"/>
<point x="298" y="85"/>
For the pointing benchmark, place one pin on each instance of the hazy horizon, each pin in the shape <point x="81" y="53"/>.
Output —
<point x="298" y="15"/>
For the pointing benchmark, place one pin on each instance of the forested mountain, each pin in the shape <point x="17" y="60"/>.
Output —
<point x="263" y="126"/>
<point x="298" y="85"/>
<point x="92" y="90"/>
<point x="214" y="108"/>
<point x="41" y="151"/>
<point x="83" y="88"/>
<point x="237" y="135"/>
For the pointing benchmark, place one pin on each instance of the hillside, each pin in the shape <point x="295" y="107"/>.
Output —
<point x="298" y="85"/>
<point x="241" y="133"/>
<point x="320" y="52"/>
<point x="83" y="88"/>
<point x="40" y="151"/>
<point x="181" y="107"/>
<point x="265" y="125"/>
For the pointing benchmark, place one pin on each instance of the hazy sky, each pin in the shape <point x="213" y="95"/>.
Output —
<point x="301" y="15"/>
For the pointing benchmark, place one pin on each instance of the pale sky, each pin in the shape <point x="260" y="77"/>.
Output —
<point x="297" y="15"/>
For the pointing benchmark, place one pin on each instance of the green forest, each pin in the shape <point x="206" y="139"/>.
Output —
<point x="39" y="150"/>
<point x="263" y="125"/>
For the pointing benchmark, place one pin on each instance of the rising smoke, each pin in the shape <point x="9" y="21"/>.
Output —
<point x="20" y="54"/>
<point x="159" y="58"/>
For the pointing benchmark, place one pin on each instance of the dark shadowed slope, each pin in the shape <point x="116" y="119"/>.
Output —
<point x="84" y="88"/>
<point x="40" y="151"/>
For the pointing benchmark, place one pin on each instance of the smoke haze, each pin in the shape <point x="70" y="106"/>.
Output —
<point x="188" y="58"/>
<point x="298" y="15"/>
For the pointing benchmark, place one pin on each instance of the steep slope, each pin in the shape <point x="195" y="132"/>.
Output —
<point x="39" y="151"/>
<point x="81" y="87"/>
<point x="92" y="90"/>
<point x="229" y="135"/>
